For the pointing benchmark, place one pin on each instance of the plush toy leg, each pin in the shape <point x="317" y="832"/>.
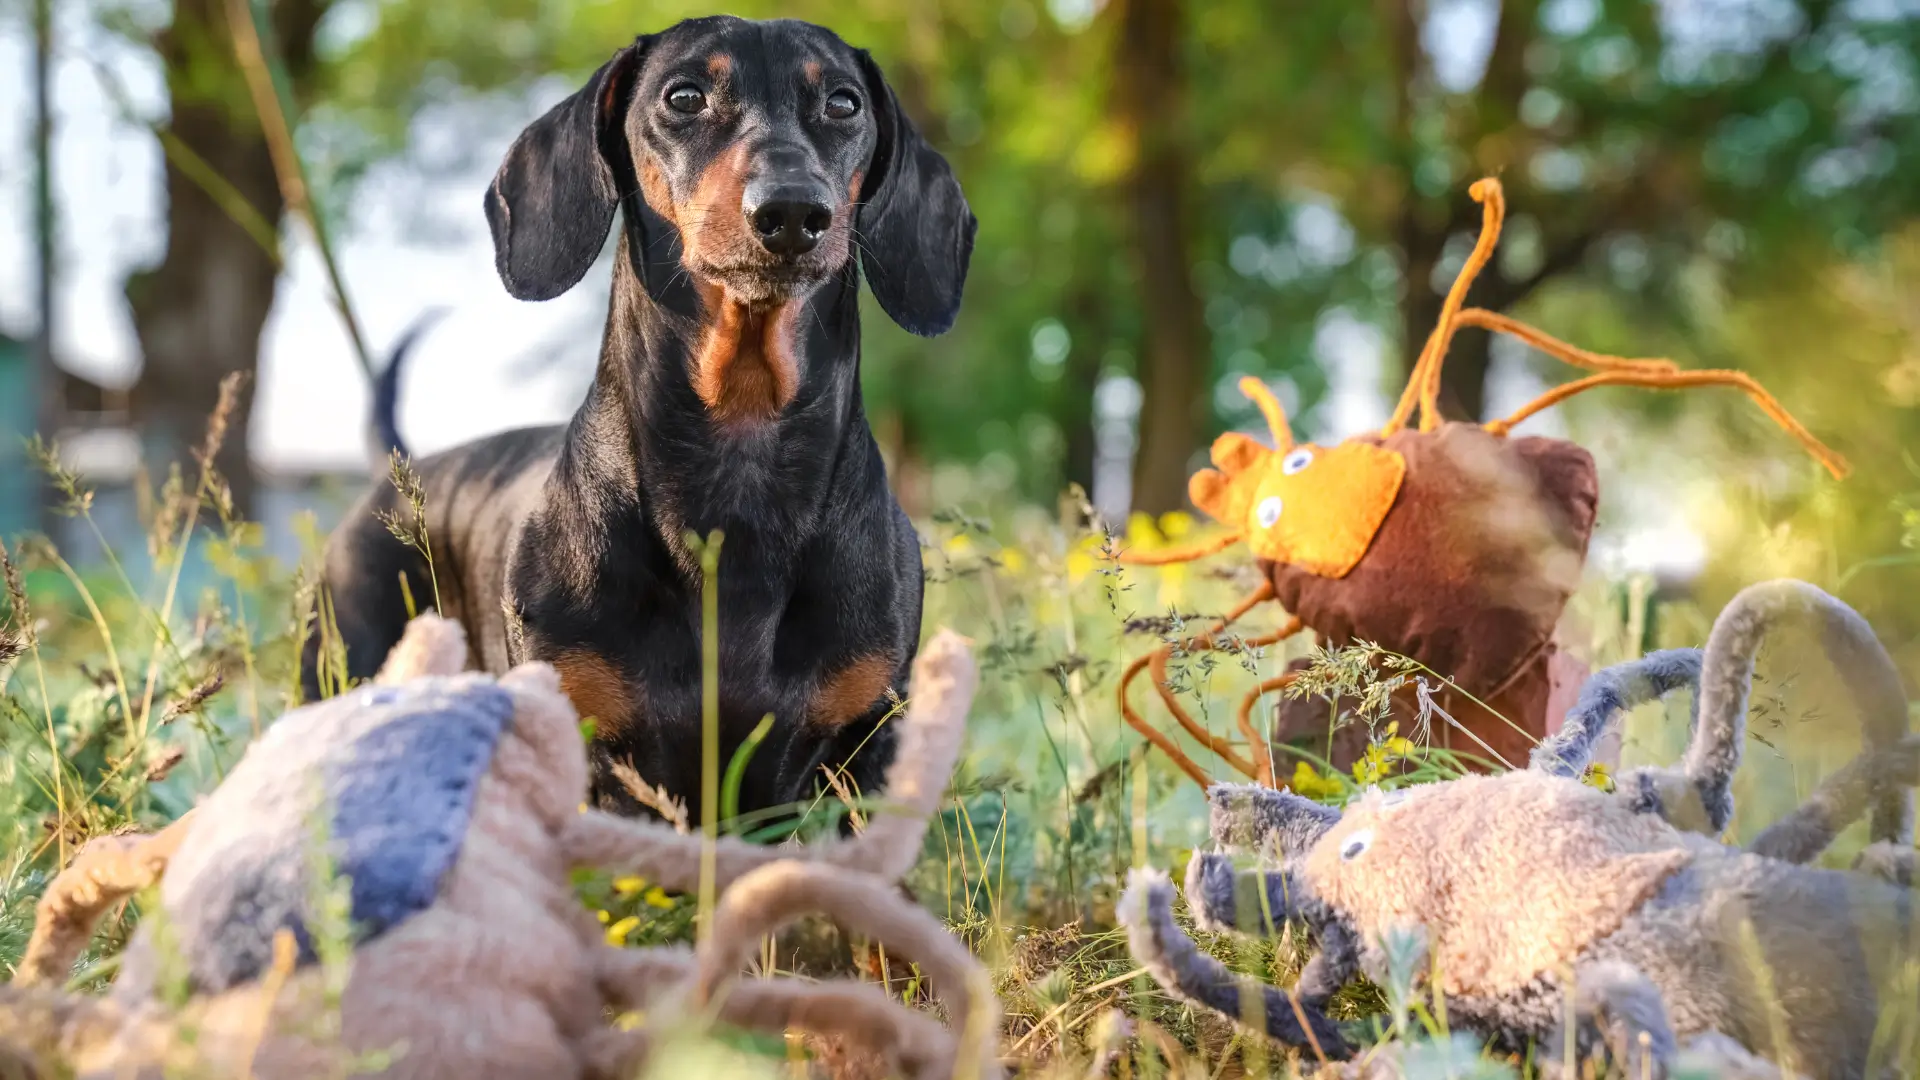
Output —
<point x="108" y="870"/>
<point x="1839" y="801"/>
<point x="765" y="901"/>
<point x="861" y="1015"/>
<point x="1617" y="1007"/>
<point x="1263" y="903"/>
<point x="1895" y="863"/>
<point x="1726" y="678"/>
<point x="44" y="1032"/>
<point x="431" y="645"/>
<point x="1176" y="963"/>
<point x="1261" y="768"/>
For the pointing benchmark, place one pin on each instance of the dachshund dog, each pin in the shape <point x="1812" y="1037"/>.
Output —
<point x="759" y="168"/>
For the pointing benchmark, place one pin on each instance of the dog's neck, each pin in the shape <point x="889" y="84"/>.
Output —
<point x="709" y="411"/>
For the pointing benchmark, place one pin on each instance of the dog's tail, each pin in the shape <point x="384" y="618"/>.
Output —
<point x="386" y="385"/>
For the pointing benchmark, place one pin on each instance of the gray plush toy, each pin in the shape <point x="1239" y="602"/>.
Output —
<point x="1548" y="910"/>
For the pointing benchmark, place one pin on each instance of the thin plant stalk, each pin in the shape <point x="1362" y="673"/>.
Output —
<point x="100" y="623"/>
<point x="265" y="75"/>
<point x="709" y="553"/>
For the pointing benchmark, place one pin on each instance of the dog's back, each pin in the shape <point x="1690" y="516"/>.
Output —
<point x="472" y="501"/>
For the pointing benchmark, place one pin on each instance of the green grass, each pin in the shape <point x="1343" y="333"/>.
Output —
<point x="123" y="698"/>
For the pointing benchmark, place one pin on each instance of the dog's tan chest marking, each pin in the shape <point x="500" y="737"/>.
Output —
<point x="598" y="691"/>
<point x="848" y="693"/>
<point x="746" y="369"/>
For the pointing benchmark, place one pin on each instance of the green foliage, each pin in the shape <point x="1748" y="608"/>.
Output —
<point x="1637" y="148"/>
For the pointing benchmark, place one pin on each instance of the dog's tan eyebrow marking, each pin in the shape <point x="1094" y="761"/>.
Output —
<point x="719" y="65"/>
<point x="848" y="693"/>
<point x="812" y="70"/>
<point x="597" y="690"/>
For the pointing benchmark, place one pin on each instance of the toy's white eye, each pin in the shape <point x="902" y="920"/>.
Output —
<point x="1296" y="461"/>
<point x="1356" y="845"/>
<point x="1268" y="511"/>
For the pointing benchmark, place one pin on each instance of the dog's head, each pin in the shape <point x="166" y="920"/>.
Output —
<point x="773" y="151"/>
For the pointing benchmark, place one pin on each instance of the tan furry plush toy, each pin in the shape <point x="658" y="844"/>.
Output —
<point x="452" y="804"/>
<point x="1560" y="920"/>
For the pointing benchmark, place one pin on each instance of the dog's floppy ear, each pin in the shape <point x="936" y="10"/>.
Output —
<point x="553" y="199"/>
<point x="916" y="232"/>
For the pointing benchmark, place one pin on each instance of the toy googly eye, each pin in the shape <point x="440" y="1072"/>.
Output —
<point x="1268" y="512"/>
<point x="1294" y="462"/>
<point x="1356" y="845"/>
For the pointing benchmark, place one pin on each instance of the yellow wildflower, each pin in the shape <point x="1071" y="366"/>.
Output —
<point x="1079" y="565"/>
<point x="617" y="933"/>
<point x="1310" y="784"/>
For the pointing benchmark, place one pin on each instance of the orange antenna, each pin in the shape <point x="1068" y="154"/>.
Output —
<point x="1423" y="383"/>
<point x="1262" y="395"/>
<point x="1554" y="347"/>
<point x="1680" y="380"/>
<point x="1201" y="550"/>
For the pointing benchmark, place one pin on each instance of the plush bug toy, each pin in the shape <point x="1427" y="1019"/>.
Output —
<point x="453" y="805"/>
<point x="1455" y="544"/>
<point x="1563" y="920"/>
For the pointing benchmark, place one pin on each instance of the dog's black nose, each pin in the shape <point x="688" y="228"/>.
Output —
<point x="790" y="226"/>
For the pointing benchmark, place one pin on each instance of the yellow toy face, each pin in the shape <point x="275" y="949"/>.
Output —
<point x="1314" y="507"/>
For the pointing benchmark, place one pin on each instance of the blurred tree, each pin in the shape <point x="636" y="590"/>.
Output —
<point x="199" y="312"/>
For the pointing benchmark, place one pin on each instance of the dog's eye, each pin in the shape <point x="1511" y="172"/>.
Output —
<point x="1296" y="461"/>
<point x="1356" y="845"/>
<point x="842" y="104"/>
<point x="686" y="99"/>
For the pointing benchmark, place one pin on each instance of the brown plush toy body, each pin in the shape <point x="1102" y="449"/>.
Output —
<point x="452" y="806"/>
<point x="1454" y="545"/>
<point x="1468" y="575"/>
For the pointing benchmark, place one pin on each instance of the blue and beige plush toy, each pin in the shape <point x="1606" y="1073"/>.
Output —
<point x="1559" y="920"/>
<point x="453" y="805"/>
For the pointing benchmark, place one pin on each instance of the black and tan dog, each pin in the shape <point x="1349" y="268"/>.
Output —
<point x="758" y="167"/>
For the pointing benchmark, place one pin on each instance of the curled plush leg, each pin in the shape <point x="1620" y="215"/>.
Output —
<point x="1839" y="801"/>
<point x="1616" y="1007"/>
<point x="431" y="645"/>
<point x="1278" y="824"/>
<point x="944" y="678"/>
<point x="1726" y="678"/>
<point x="44" y="1032"/>
<point x="1603" y="697"/>
<point x="108" y="870"/>
<point x="1146" y="910"/>
<point x="1260" y="902"/>
<point x="912" y="1042"/>
<point x="1898" y="864"/>
<point x="636" y="978"/>
<point x="768" y="899"/>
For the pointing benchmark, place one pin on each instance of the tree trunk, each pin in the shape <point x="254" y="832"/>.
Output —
<point x="199" y="313"/>
<point x="1086" y="319"/>
<point x="1149" y="98"/>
